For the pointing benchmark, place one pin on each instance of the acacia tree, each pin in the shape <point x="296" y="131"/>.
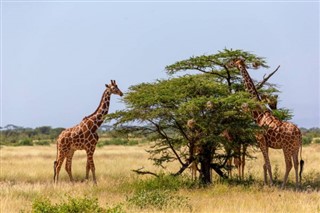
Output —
<point x="212" y="98"/>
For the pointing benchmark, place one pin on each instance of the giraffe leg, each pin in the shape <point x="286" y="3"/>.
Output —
<point x="69" y="164"/>
<point x="288" y="161"/>
<point x="265" y="153"/>
<point x="243" y="161"/>
<point x="90" y="164"/>
<point x="296" y="165"/>
<point x="87" y="170"/>
<point x="267" y="167"/>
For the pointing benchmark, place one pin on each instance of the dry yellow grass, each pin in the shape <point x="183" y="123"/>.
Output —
<point x="27" y="173"/>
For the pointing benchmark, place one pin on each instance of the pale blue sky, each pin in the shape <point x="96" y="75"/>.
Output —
<point x="56" y="56"/>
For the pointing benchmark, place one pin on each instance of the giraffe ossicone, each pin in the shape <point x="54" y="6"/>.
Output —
<point x="83" y="136"/>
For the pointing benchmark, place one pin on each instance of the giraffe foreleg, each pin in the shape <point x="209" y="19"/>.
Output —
<point x="90" y="165"/>
<point x="87" y="170"/>
<point x="69" y="164"/>
<point x="267" y="165"/>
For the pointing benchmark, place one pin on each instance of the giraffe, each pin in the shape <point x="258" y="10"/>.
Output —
<point x="83" y="136"/>
<point x="276" y="134"/>
<point x="239" y="156"/>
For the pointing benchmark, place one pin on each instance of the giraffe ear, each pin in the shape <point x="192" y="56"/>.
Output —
<point x="107" y="85"/>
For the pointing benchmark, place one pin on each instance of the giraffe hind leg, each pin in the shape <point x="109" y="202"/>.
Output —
<point x="288" y="162"/>
<point x="296" y="168"/>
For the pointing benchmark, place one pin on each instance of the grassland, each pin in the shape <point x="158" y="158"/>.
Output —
<point x="26" y="175"/>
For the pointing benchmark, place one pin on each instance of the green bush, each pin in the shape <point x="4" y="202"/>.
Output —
<point x="74" y="205"/>
<point x="159" y="192"/>
<point x="306" y="140"/>
<point x="158" y="199"/>
<point x="25" y="142"/>
<point x="118" y="141"/>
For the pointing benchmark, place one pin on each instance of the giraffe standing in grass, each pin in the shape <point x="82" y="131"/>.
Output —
<point x="83" y="136"/>
<point x="277" y="134"/>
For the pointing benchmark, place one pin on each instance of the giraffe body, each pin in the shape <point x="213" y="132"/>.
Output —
<point x="83" y="136"/>
<point x="277" y="134"/>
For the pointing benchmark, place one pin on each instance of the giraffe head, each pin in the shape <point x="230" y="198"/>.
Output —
<point x="113" y="88"/>
<point x="272" y="100"/>
<point x="235" y="62"/>
<point x="239" y="63"/>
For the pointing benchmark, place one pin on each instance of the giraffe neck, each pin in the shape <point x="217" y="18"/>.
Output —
<point x="265" y="118"/>
<point x="94" y="121"/>
<point x="248" y="83"/>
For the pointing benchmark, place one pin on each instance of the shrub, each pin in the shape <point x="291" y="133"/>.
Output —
<point x="118" y="141"/>
<point x="74" y="205"/>
<point x="25" y="142"/>
<point x="158" y="199"/>
<point x="306" y="140"/>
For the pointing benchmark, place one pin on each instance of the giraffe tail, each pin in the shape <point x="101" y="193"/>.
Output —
<point x="301" y="164"/>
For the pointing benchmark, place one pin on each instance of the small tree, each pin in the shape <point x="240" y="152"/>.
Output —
<point x="213" y="99"/>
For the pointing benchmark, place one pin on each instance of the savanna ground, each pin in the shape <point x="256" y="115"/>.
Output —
<point x="27" y="181"/>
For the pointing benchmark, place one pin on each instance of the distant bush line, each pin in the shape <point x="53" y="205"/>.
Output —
<point x="12" y="135"/>
<point x="46" y="135"/>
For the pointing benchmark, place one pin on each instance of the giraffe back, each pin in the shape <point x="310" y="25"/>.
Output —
<point x="280" y="134"/>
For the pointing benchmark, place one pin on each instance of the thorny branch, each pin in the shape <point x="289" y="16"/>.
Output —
<point x="265" y="79"/>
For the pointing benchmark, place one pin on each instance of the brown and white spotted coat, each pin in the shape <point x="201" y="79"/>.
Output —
<point x="277" y="134"/>
<point x="83" y="136"/>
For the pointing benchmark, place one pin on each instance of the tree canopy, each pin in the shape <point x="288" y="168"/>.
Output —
<point x="212" y="98"/>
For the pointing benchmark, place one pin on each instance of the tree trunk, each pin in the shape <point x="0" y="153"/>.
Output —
<point x="205" y="163"/>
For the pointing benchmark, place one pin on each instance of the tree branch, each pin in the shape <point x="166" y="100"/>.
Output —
<point x="265" y="79"/>
<point x="181" y="170"/>
<point x="139" y="172"/>
<point x="163" y="134"/>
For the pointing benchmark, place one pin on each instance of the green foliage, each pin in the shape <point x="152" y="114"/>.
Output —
<point x="25" y="142"/>
<point x="159" y="193"/>
<point x="165" y="114"/>
<point x="306" y="139"/>
<point x="158" y="199"/>
<point x="75" y="205"/>
<point x="311" y="135"/>
<point x="18" y="135"/>
<point x="214" y="63"/>
<point x="118" y="141"/>
<point x="165" y="106"/>
<point x="115" y="209"/>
